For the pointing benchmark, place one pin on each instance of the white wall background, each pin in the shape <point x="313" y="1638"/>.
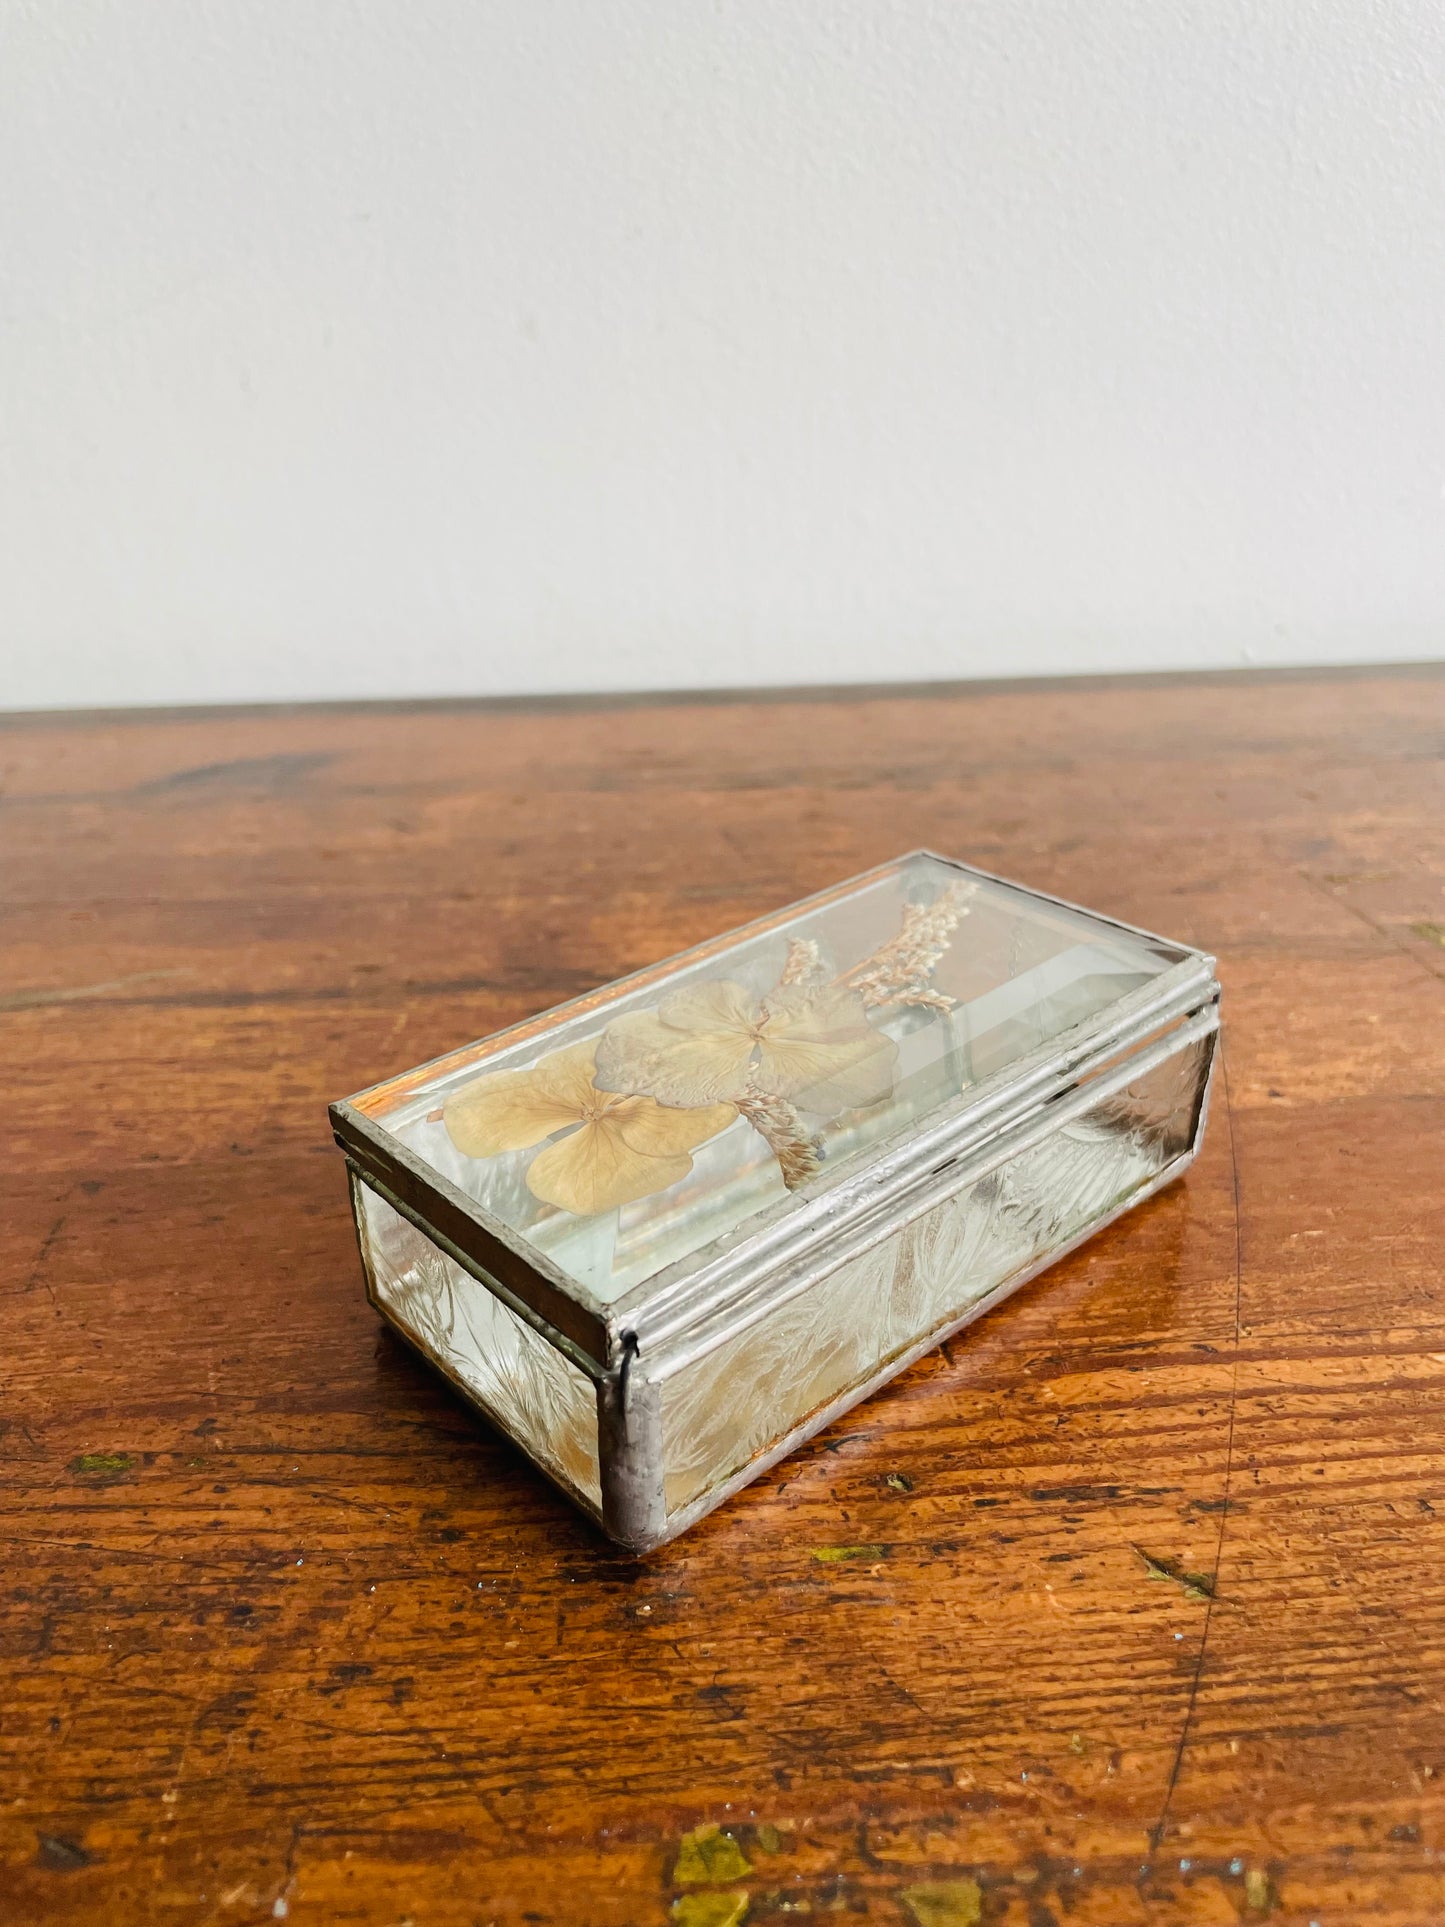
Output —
<point x="467" y="346"/>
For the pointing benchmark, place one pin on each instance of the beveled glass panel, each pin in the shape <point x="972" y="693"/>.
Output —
<point x="630" y="1133"/>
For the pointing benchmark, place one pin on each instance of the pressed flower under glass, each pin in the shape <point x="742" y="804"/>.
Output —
<point x="690" y="1161"/>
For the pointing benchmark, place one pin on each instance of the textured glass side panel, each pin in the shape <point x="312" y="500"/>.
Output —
<point x="733" y="1404"/>
<point x="525" y="1384"/>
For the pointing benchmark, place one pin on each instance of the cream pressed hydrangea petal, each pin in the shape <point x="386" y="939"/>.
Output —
<point x="595" y="1169"/>
<point x="803" y="1010"/>
<point x="505" y="1111"/>
<point x="643" y="1053"/>
<point x="827" y="1078"/>
<point x="567" y="1075"/>
<point x="659" y="1130"/>
<point x="718" y="1006"/>
<point x="820" y="1051"/>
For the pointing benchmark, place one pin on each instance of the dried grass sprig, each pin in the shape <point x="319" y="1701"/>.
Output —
<point x="804" y="962"/>
<point x="898" y="971"/>
<point x="799" y="1155"/>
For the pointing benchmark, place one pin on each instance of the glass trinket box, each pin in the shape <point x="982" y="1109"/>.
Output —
<point x="664" y="1233"/>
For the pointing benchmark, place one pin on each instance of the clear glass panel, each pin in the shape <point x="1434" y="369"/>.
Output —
<point x="526" y="1386"/>
<point x="628" y="1135"/>
<point x="734" y="1404"/>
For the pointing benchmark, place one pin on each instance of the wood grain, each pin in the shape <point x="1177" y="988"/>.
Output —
<point x="285" y="1634"/>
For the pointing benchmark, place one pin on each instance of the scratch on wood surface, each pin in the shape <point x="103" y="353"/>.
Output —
<point x="1389" y="934"/>
<point x="82" y="993"/>
<point x="42" y="1257"/>
<point x="1156" y="1832"/>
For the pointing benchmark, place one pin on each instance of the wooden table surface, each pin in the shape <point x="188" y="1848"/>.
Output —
<point x="285" y="1633"/>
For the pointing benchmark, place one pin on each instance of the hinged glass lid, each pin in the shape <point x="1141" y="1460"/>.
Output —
<point x="621" y="1134"/>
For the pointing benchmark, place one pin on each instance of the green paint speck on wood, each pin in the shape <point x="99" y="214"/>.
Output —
<point x="831" y="1555"/>
<point x="92" y="1462"/>
<point x="945" y="1903"/>
<point x="710" y="1910"/>
<point x="708" y="1854"/>
<point x="1431" y="932"/>
<point x="769" y="1839"/>
<point x="1196" y="1585"/>
<point x="1258" y="1895"/>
